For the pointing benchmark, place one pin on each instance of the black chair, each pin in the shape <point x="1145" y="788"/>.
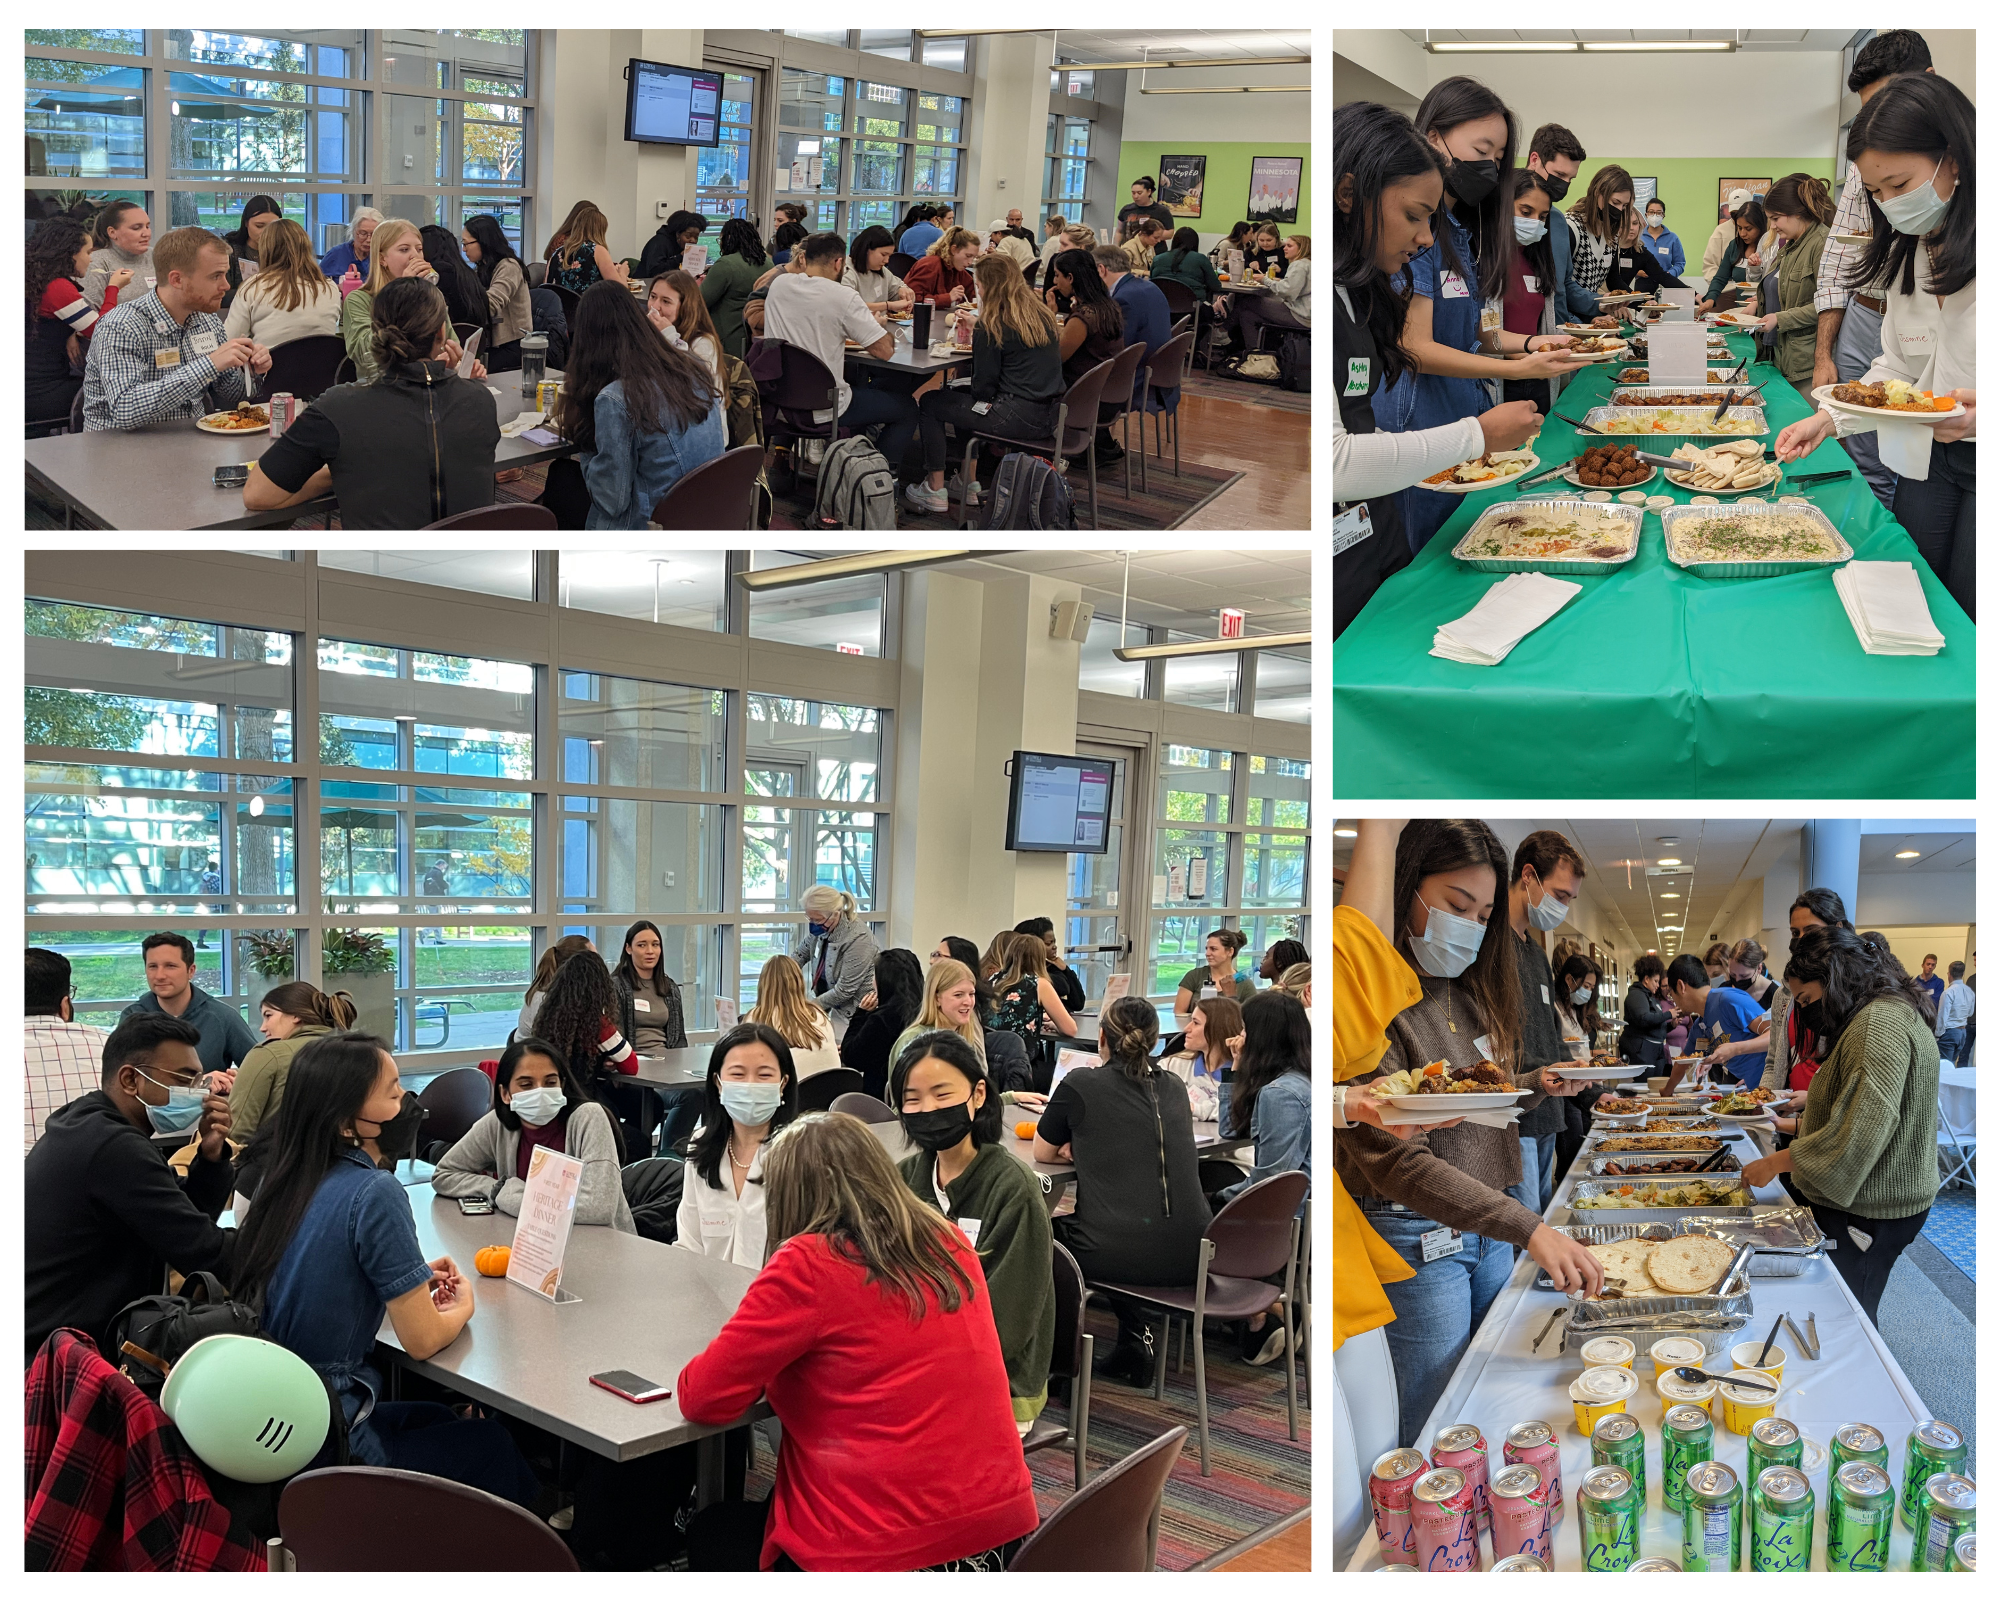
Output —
<point x="1180" y="298"/>
<point x="718" y="494"/>
<point x="1075" y="433"/>
<point x="453" y="1101"/>
<point x="512" y="516"/>
<point x="1074" y="1352"/>
<point x="803" y="385"/>
<point x="462" y="331"/>
<point x="1164" y="375"/>
<point x="76" y="413"/>
<point x="819" y="1092"/>
<point x="900" y="264"/>
<point x="1118" y="388"/>
<point x="346" y="372"/>
<point x="1113" y="1525"/>
<point x="568" y="297"/>
<point x="869" y="1109"/>
<point x="306" y="367"/>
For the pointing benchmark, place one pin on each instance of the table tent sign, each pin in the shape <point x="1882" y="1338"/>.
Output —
<point x="1116" y="987"/>
<point x="725" y="1013"/>
<point x="542" y="1235"/>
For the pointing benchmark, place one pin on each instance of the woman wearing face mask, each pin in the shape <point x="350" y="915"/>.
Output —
<point x="1387" y="190"/>
<point x="1865" y="1155"/>
<point x="1666" y="247"/>
<point x="1528" y="306"/>
<point x="1418" y="1192"/>
<point x="1912" y="145"/>
<point x="1597" y="224"/>
<point x="837" y="954"/>
<point x="1746" y="972"/>
<point x="951" y="1112"/>
<point x="1452" y="357"/>
<point x="752" y="1092"/>
<point x="538" y="1104"/>
<point x="1648" y="1018"/>
<point x="1575" y="993"/>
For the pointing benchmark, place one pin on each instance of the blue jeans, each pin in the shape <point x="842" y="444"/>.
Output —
<point x="1951" y="1045"/>
<point x="1538" y="1172"/>
<point x="896" y="412"/>
<point x="423" y="1436"/>
<point x="1437" y="1311"/>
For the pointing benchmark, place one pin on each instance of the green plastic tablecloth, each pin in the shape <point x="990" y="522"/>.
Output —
<point x="1654" y="683"/>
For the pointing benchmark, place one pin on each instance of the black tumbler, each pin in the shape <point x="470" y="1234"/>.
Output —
<point x="920" y="324"/>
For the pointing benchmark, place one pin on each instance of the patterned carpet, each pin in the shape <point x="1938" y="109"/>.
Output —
<point x="1953" y="1226"/>
<point x="1214" y="386"/>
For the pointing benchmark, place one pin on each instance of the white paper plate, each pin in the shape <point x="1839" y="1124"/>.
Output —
<point x="1652" y="472"/>
<point x="1534" y="461"/>
<point x="1744" y="1117"/>
<point x="1456" y="1105"/>
<point x="230" y="433"/>
<point x="1589" y="1074"/>
<point x="1823" y="396"/>
<point x="1680" y="481"/>
<point x="1855" y="238"/>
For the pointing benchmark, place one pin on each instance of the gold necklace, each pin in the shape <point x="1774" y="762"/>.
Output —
<point x="1447" y="1005"/>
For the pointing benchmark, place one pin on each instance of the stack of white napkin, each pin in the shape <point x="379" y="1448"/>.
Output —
<point x="1886" y="604"/>
<point x="1397" y="1117"/>
<point x="1506" y="614"/>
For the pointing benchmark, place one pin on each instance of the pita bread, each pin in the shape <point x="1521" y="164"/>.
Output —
<point x="1690" y="1264"/>
<point x="1627" y="1259"/>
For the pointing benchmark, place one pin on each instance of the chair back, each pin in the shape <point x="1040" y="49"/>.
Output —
<point x="900" y="264"/>
<point x="1124" y="375"/>
<point x="513" y="515"/>
<point x="803" y="383"/>
<point x="1080" y="403"/>
<point x="568" y="297"/>
<point x="538" y="272"/>
<point x="304" y="367"/>
<point x="1364" y="1430"/>
<point x="1180" y="298"/>
<point x="1112" y="1524"/>
<point x="376" y="1519"/>
<point x="346" y="372"/>
<point x="1252" y="1235"/>
<point x="1169" y="365"/>
<point x="453" y="1101"/>
<point x="463" y="332"/>
<point x="1067" y="1359"/>
<point x="819" y="1092"/>
<point x="76" y="412"/>
<point x="718" y="494"/>
<point x="869" y="1109"/>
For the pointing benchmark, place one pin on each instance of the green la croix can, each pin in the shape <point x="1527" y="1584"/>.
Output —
<point x="1608" y="1507"/>
<point x="1781" y="1521"/>
<point x="1687" y="1436"/>
<point x="1857" y="1441"/>
<point x="1773" y="1442"/>
<point x="1860" y="1516"/>
<point x="1965" y="1554"/>
<point x="1619" y="1441"/>
<point x="1654" y="1564"/>
<point x="1711" y="1519"/>
<point x="1934" y="1447"/>
<point x="1947" y="1508"/>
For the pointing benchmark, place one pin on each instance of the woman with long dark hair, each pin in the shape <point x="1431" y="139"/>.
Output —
<point x="1387" y="191"/>
<point x="510" y="312"/>
<point x="675" y="307"/>
<point x="570" y="944"/>
<point x="579" y="1019"/>
<point x="650" y="1012"/>
<point x="1797" y="1050"/>
<point x="1238" y="238"/>
<point x="1448" y="877"/>
<point x="1597" y="225"/>
<point x="259" y="212"/>
<point x="1093" y="329"/>
<point x="1527" y="305"/>
<point x="1913" y="146"/>
<point x="463" y="293"/>
<point x="751" y="1091"/>
<point x="642" y="413"/>
<point x="1864" y="1155"/>
<point x="867" y="272"/>
<point x="60" y="319"/>
<point x="331" y="1244"/>
<point x="1271" y="1098"/>
<point x="730" y="277"/>
<point x="897" y="997"/>
<point x="920" y="212"/>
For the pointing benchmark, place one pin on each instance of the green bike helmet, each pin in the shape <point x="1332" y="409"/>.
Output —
<point x="247" y="1407"/>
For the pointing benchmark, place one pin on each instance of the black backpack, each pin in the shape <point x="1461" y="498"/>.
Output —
<point x="653" y="1191"/>
<point x="1295" y="363"/>
<point x="1027" y="492"/>
<point x="150" y="1335"/>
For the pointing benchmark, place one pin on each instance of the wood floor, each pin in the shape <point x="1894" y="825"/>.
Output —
<point x="1290" y="1551"/>
<point x="1271" y="448"/>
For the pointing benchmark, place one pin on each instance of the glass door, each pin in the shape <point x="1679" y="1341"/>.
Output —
<point x="723" y="175"/>
<point x="1097" y="941"/>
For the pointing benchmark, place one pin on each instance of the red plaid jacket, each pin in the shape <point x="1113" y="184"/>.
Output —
<point x="111" y="1486"/>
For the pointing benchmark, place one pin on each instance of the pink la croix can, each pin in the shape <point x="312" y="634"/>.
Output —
<point x="1520" y="1513"/>
<point x="1534" y="1444"/>
<point x="1389" y="1486"/>
<point x="1463" y="1446"/>
<point x="1442" y="1507"/>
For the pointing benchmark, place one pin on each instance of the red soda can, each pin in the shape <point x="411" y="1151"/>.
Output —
<point x="1389" y="1488"/>
<point x="1520" y="1512"/>
<point x="1462" y="1445"/>
<point x="282" y="411"/>
<point x="1442" y="1507"/>
<point x="1534" y="1444"/>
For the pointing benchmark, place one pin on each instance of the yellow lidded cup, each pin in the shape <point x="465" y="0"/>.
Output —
<point x="1600" y="1392"/>
<point x="1743" y="1408"/>
<point x="1609" y="1351"/>
<point x="1677" y="1391"/>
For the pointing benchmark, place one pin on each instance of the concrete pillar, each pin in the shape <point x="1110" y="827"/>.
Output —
<point x="1006" y="143"/>
<point x="1832" y="852"/>
<point x="593" y="161"/>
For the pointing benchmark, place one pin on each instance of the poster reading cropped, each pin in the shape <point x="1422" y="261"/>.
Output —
<point x="1274" y="188"/>
<point x="1181" y="178"/>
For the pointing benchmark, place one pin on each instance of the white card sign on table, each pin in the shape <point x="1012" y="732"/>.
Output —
<point x="1197" y="886"/>
<point x="1116" y="987"/>
<point x="694" y="260"/>
<point x="1677" y="353"/>
<point x="1684" y="299"/>
<point x="725" y="1013"/>
<point x="542" y="1235"/>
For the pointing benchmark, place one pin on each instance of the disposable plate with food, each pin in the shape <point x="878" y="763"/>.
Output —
<point x="1491" y="470"/>
<point x="1583" y="1072"/>
<point x="1456" y="1105"/>
<point x="1855" y="238"/>
<point x="1746" y="1118"/>
<point x="1823" y="397"/>
<point x="235" y="422"/>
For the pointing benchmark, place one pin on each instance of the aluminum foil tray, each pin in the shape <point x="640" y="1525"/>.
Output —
<point x="1716" y="392"/>
<point x="1635" y="515"/>
<point x="1594" y="1167"/>
<point x="1601" y="417"/>
<point x="1591" y="1188"/>
<point x="1674" y="516"/>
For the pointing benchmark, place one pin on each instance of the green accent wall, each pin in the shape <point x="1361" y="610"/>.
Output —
<point x="1688" y="186"/>
<point x="1225" y="194"/>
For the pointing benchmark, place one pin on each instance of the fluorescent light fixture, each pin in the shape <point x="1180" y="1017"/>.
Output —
<point x="1241" y="88"/>
<point x="1464" y="47"/>
<point x="1214" y="647"/>
<point x="860" y="564"/>
<point x="1182" y="61"/>
<point x="1674" y="896"/>
<point x="1630" y="45"/>
<point x="1668" y="861"/>
<point x="1908" y="855"/>
<point x="1345" y="833"/>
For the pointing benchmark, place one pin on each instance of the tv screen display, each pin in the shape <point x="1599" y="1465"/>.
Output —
<point x="672" y="105"/>
<point x="1060" y="804"/>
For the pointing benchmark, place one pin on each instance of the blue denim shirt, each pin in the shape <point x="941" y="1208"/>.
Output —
<point x="629" y="471"/>
<point x="355" y="1251"/>
<point x="1282" y="1126"/>
<point x="1667" y="246"/>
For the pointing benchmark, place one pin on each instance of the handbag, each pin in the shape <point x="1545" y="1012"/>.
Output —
<point x="150" y="1335"/>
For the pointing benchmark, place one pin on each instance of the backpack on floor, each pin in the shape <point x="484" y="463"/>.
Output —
<point x="1027" y="492"/>
<point x="1253" y="366"/>
<point x="1295" y="363"/>
<point x="856" y="488"/>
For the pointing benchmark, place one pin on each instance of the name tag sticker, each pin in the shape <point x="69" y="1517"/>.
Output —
<point x="713" y="1226"/>
<point x="1439" y="1243"/>
<point x="1545" y="994"/>
<point x="163" y="359"/>
<point x="203" y="344"/>
<point x="1357" y="375"/>
<point x="1534" y="284"/>
<point x="1484" y="1046"/>
<point x="1452" y="287"/>
<point x="1350" y="528"/>
<point x="641" y="1005"/>
<point x="969" y="1226"/>
<point x="1924" y="339"/>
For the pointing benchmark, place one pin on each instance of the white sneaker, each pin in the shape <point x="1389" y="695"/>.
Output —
<point x="1272" y="1348"/>
<point x="956" y="490"/>
<point x="925" y="498"/>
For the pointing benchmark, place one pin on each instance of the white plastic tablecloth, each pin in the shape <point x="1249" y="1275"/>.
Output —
<point x="1500" y="1382"/>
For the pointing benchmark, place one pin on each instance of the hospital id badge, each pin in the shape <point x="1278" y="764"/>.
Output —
<point x="162" y="359"/>
<point x="1351" y="527"/>
<point x="1439" y="1243"/>
<point x="1489" y="318"/>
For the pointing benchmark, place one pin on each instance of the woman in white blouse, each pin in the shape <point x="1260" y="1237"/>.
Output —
<point x="752" y="1092"/>
<point x="289" y="298"/>
<point x="784" y="1005"/>
<point x="1912" y="145"/>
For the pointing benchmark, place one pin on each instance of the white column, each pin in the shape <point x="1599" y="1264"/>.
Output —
<point x="1005" y="143"/>
<point x="593" y="160"/>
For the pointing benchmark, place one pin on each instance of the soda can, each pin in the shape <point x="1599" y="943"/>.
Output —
<point x="1441" y="1506"/>
<point x="1965" y="1554"/>
<point x="1860" y="1516"/>
<point x="283" y="409"/>
<point x="1781" y="1521"/>
<point x="1389" y="1486"/>
<point x="1619" y="1441"/>
<point x="1934" y="1447"/>
<point x="1519" y="1502"/>
<point x="1945" y="1516"/>
<point x="1462" y="1445"/>
<point x="1654" y="1564"/>
<point x="1687" y="1436"/>
<point x="1534" y="1444"/>
<point x="1771" y="1442"/>
<point x="1607" y="1519"/>
<point x="1711" y="1519"/>
<point x="1857" y="1441"/>
<point x="1521" y="1563"/>
<point x="545" y="395"/>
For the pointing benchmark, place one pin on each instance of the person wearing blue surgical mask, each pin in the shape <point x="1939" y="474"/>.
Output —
<point x="538" y="1104"/>
<point x="1440" y="1198"/>
<point x="1529" y="305"/>
<point x="103" y="1215"/>
<point x="752" y="1091"/>
<point x="1548" y="875"/>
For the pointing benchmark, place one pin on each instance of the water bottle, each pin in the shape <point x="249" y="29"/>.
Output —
<point x="534" y="362"/>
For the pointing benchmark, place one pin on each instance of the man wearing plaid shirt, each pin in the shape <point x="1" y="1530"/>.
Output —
<point x="163" y="356"/>
<point x="64" y="1058"/>
<point x="1850" y="320"/>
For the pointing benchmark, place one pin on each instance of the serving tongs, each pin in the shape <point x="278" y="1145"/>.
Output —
<point x="1808" y="1347"/>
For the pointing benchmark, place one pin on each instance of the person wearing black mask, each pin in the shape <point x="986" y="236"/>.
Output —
<point x="1556" y="156"/>
<point x="1597" y="226"/>
<point x="951" y="1111"/>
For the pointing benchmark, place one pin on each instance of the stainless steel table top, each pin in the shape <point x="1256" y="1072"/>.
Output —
<point x="648" y="1308"/>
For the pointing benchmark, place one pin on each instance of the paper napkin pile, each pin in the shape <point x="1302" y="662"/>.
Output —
<point x="1886" y="604"/>
<point x="1506" y="614"/>
<point x="1397" y="1117"/>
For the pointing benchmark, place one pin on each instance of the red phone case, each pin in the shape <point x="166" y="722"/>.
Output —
<point x="636" y="1400"/>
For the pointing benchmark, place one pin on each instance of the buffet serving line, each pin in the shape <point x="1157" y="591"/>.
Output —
<point x="1543" y="1366"/>
<point x="1655" y="664"/>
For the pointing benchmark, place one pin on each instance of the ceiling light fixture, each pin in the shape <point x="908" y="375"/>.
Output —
<point x="1908" y="855"/>
<point x="1196" y="647"/>
<point x="1464" y="47"/>
<point x="1183" y="61"/>
<point x="1668" y="861"/>
<point x="1345" y="833"/>
<point x="1240" y="88"/>
<point x="1629" y="46"/>
<point x="862" y="563"/>
<point x="1670" y="896"/>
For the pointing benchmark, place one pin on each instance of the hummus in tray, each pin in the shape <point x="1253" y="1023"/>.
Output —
<point x="1765" y="536"/>
<point x="1529" y="532"/>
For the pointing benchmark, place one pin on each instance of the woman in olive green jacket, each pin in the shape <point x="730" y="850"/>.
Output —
<point x="293" y="1015"/>
<point x="727" y="283"/>
<point x="1800" y="209"/>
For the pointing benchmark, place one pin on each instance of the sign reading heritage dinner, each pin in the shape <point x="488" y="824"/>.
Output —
<point x="547" y="1210"/>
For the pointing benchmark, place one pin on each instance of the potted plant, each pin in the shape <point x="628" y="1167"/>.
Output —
<point x="269" y="954"/>
<point x="365" y="966"/>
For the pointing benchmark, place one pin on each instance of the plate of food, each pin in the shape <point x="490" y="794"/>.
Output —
<point x="1597" y="1072"/>
<point x="1738" y="467"/>
<point x="1732" y="319"/>
<point x="1595" y="325"/>
<point x="1483" y="1086"/>
<point x="1534" y="535"/>
<point x="246" y="418"/>
<point x="1483" y="472"/>
<point x="1742" y="1108"/>
<point x="1893" y="397"/>
<point x="1605" y="466"/>
<point x="1597" y="347"/>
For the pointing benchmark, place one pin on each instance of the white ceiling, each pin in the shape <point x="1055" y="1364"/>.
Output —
<point x="1181" y="589"/>
<point x="1747" y="38"/>
<point x="1130" y="44"/>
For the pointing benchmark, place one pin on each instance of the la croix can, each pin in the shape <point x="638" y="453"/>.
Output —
<point x="1518" y="1499"/>
<point x="1447" y="1527"/>
<point x="1534" y="1444"/>
<point x="1934" y="1447"/>
<point x="1607" y="1519"/>
<point x="1860" y="1516"/>
<point x="1389" y="1486"/>
<point x="1463" y="1446"/>
<point x="1619" y="1441"/>
<point x="1781" y="1521"/>
<point x="1711" y="1519"/>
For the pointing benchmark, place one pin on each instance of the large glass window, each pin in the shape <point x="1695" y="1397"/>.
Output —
<point x="629" y="734"/>
<point x="1284" y="685"/>
<point x="722" y="175"/>
<point x="682" y="588"/>
<point x="416" y="711"/>
<point x="844" y="614"/>
<point x="502" y="572"/>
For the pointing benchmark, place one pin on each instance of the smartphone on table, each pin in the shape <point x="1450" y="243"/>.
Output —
<point x="233" y="477"/>
<point x="472" y="1205"/>
<point x="630" y="1386"/>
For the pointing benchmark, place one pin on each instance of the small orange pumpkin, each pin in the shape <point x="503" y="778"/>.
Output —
<point x="492" y="1260"/>
<point x="1024" y="1130"/>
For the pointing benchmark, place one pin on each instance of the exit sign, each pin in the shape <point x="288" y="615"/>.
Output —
<point x="850" y="649"/>
<point x="1232" y="624"/>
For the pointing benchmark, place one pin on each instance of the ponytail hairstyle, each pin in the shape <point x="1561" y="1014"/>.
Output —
<point x="1825" y="904"/>
<point x="1854" y="973"/>
<point x="829" y="901"/>
<point x="568" y="945"/>
<point x="1374" y="148"/>
<point x="407" y="315"/>
<point x="1126" y="1034"/>
<point x="107" y="219"/>
<point x="310" y="1005"/>
<point x="1800" y="194"/>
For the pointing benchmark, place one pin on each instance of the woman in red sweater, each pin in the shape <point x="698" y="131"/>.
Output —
<point x="945" y="270"/>
<point x="870" y="1334"/>
<point x="60" y="320"/>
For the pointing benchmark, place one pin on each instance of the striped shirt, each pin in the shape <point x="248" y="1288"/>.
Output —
<point x="1838" y="258"/>
<point x="63" y="300"/>
<point x="65" y="1060"/>
<point x="143" y="369"/>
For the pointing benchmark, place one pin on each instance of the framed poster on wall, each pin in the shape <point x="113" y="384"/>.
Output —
<point x="1274" y="188"/>
<point x="1181" y="178"/>
<point x="1644" y="189"/>
<point x="1758" y="187"/>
